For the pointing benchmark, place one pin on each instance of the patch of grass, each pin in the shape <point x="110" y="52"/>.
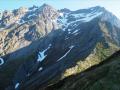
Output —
<point x="105" y="76"/>
<point x="99" y="54"/>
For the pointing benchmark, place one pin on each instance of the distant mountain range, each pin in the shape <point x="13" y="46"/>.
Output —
<point x="41" y="45"/>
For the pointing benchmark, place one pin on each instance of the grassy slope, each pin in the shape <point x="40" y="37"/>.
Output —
<point x="99" y="54"/>
<point x="104" y="76"/>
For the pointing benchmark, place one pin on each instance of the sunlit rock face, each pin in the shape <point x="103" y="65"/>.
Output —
<point x="20" y="27"/>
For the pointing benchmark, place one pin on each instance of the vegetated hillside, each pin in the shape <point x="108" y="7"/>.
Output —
<point x="104" y="76"/>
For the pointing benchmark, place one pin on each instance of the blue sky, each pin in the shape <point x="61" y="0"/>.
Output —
<point x="112" y="5"/>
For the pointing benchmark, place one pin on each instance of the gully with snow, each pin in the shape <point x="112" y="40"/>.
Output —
<point x="41" y="55"/>
<point x="1" y="61"/>
<point x="71" y="47"/>
<point x="17" y="85"/>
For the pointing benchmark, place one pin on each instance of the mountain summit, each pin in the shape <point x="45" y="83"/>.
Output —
<point x="43" y="44"/>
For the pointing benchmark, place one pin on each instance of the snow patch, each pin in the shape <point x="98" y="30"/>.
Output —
<point x="78" y="15"/>
<point x="76" y="34"/>
<point x="17" y="85"/>
<point x="29" y="16"/>
<point x="71" y="47"/>
<point x="1" y="61"/>
<point x="89" y="17"/>
<point x="75" y="31"/>
<point x="33" y="15"/>
<point x="66" y="38"/>
<point x="41" y="68"/>
<point x="63" y="20"/>
<point x="86" y="17"/>
<point x="69" y="31"/>
<point x="41" y="54"/>
<point x="81" y="17"/>
<point x="61" y="14"/>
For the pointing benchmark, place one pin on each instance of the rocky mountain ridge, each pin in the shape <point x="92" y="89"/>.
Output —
<point x="44" y="43"/>
<point x="26" y="25"/>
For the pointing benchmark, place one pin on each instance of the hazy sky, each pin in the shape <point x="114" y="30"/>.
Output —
<point x="111" y="5"/>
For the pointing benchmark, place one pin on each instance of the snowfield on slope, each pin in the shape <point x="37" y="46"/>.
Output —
<point x="79" y="17"/>
<point x="71" y="47"/>
<point x="17" y="85"/>
<point x="41" y="54"/>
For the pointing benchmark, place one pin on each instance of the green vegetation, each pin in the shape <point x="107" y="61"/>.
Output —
<point x="99" y="54"/>
<point x="104" y="76"/>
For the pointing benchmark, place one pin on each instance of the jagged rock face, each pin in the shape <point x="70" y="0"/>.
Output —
<point x="59" y="39"/>
<point x="11" y="17"/>
<point x="20" y="27"/>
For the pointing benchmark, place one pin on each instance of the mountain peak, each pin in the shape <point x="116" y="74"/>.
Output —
<point x="33" y="7"/>
<point x="48" y="11"/>
<point x="46" y="6"/>
<point x="98" y="8"/>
